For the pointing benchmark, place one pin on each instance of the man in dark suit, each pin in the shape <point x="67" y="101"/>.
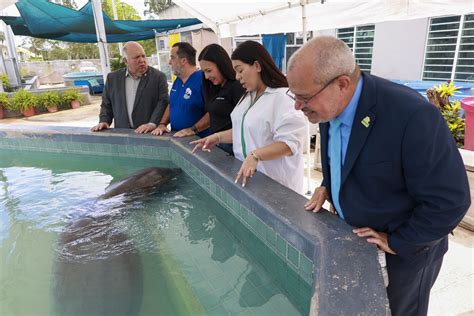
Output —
<point x="135" y="96"/>
<point x="390" y="166"/>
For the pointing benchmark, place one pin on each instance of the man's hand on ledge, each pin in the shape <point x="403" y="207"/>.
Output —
<point x="100" y="126"/>
<point x="374" y="237"/>
<point x="145" y="128"/>
<point x="184" y="133"/>
<point x="160" y="130"/>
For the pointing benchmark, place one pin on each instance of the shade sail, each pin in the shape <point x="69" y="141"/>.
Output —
<point x="43" y="19"/>
<point x="246" y="17"/>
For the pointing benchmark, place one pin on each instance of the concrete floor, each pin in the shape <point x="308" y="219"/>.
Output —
<point x="453" y="292"/>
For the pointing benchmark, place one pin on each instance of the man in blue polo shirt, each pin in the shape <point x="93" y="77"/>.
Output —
<point x="186" y="111"/>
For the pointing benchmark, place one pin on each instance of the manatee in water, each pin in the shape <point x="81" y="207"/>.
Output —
<point x="99" y="270"/>
<point x="141" y="182"/>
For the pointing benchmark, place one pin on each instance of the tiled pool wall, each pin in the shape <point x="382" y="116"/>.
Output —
<point x="320" y="249"/>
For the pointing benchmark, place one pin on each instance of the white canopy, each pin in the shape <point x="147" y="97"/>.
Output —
<point x="246" y="17"/>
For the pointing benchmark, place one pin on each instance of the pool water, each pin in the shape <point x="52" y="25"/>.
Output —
<point x="177" y="252"/>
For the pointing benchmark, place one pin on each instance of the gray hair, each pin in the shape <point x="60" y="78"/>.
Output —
<point x="124" y="48"/>
<point x="330" y="56"/>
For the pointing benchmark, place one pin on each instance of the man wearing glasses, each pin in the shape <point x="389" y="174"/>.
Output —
<point x="390" y="165"/>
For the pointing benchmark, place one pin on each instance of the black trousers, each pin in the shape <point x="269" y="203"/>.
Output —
<point x="409" y="286"/>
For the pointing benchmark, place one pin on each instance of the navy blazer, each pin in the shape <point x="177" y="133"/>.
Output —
<point x="402" y="174"/>
<point x="150" y="102"/>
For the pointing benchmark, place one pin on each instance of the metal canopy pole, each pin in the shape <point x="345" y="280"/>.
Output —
<point x="15" y="77"/>
<point x="308" y="133"/>
<point x="114" y="9"/>
<point x="157" y="44"/>
<point x="101" y="38"/>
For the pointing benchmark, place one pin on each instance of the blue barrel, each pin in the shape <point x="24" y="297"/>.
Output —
<point x="464" y="88"/>
<point x="93" y="80"/>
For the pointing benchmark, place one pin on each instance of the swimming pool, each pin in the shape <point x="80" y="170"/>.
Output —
<point x="324" y="268"/>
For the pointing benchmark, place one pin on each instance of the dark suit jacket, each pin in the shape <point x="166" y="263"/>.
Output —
<point x="150" y="102"/>
<point x="402" y="174"/>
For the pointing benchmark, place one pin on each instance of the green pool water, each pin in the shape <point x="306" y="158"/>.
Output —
<point x="192" y="255"/>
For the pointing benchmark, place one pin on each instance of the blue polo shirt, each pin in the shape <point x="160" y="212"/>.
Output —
<point x="187" y="103"/>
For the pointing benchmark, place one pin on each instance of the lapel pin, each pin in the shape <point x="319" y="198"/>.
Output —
<point x="366" y="121"/>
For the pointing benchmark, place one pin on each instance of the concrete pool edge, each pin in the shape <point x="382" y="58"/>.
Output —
<point x="346" y="272"/>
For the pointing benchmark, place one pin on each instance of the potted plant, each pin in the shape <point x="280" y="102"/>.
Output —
<point x="73" y="98"/>
<point x="3" y="103"/>
<point x="50" y="101"/>
<point x="23" y="101"/>
<point x="5" y="82"/>
<point x="451" y="110"/>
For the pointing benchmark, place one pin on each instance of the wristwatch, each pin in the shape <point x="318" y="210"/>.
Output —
<point x="194" y="129"/>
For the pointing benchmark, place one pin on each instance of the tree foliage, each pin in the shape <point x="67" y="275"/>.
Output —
<point x="124" y="10"/>
<point x="157" y="6"/>
<point x="57" y="50"/>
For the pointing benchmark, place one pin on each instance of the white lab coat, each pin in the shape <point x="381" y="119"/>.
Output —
<point x="271" y="119"/>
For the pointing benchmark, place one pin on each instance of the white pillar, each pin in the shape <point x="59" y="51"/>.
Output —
<point x="101" y="38"/>
<point x="157" y="44"/>
<point x="114" y="9"/>
<point x="15" y="78"/>
<point x="308" y="134"/>
<point x="303" y="20"/>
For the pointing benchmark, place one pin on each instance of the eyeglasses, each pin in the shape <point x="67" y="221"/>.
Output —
<point x="307" y="100"/>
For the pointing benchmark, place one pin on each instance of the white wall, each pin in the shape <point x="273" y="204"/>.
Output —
<point x="330" y="32"/>
<point x="399" y="48"/>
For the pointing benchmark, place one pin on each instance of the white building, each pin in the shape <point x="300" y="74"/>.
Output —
<point x="437" y="48"/>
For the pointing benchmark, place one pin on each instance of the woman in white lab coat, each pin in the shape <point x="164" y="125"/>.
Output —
<point x="267" y="132"/>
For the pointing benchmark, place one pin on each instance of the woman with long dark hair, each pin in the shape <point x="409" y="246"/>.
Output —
<point x="267" y="132"/>
<point x="221" y="90"/>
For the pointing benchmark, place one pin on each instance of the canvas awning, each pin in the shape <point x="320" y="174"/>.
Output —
<point x="43" y="19"/>
<point x="246" y="17"/>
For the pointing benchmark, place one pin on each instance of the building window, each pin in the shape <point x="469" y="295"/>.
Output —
<point x="240" y="39"/>
<point x="293" y="42"/>
<point x="360" y="40"/>
<point x="450" y="49"/>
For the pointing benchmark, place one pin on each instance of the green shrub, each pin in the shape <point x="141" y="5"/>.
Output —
<point x="456" y="123"/>
<point x="48" y="99"/>
<point x="5" y="82"/>
<point x="4" y="99"/>
<point x="71" y="95"/>
<point x="117" y="63"/>
<point x="22" y="100"/>
<point x="451" y="110"/>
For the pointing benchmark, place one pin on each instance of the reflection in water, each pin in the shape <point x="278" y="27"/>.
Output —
<point x="124" y="255"/>
<point x="99" y="269"/>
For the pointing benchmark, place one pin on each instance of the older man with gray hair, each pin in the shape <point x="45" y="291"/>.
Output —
<point x="390" y="166"/>
<point x="135" y="96"/>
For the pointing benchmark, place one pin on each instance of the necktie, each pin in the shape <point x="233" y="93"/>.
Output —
<point x="335" y="163"/>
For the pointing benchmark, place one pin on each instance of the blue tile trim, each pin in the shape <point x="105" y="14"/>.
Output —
<point x="258" y="227"/>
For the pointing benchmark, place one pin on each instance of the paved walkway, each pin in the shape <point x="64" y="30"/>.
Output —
<point x="453" y="293"/>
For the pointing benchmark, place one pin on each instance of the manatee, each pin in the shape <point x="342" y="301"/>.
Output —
<point x="141" y="182"/>
<point x="99" y="270"/>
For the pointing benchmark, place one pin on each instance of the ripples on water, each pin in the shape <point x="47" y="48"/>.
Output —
<point x="171" y="234"/>
<point x="89" y="228"/>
